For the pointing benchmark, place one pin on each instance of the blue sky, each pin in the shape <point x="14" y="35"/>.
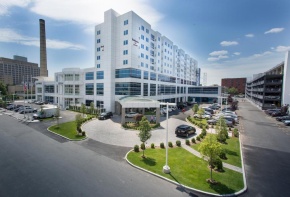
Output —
<point x="228" y="38"/>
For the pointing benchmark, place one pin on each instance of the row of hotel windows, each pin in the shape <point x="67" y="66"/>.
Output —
<point x="132" y="88"/>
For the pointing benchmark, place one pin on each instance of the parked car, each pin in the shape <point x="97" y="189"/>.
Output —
<point x="165" y="108"/>
<point x="283" y="118"/>
<point x="214" y="121"/>
<point x="214" y="107"/>
<point x="286" y="122"/>
<point x="20" y="107"/>
<point x="184" y="130"/>
<point x="105" y="115"/>
<point x="131" y="114"/>
<point x="270" y="111"/>
<point x="208" y="110"/>
<point x="203" y="116"/>
<point x="27" y="110"/>
<point x="277" y="113"/>
<point x="11" y="107"/>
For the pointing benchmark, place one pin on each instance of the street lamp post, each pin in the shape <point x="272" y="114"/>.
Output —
<point x="13" y="103"/>
<point x="166" y="168"/>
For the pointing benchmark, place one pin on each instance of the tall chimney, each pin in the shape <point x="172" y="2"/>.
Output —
<point x="43" y="61"/>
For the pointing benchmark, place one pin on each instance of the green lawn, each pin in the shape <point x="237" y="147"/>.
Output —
<point x="188" y="170"/>
<point x="232" y="149"/>
<point x="67" y="129"/>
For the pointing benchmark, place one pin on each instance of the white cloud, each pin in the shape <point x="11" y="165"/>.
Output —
<point x="262" y="54"/>
<point x="6" y="4"/>
<point x="228" y="43"/>
<point x="274" y="30"/>
<point x="91" y="12"/>
<point x="10" y="36"/>
<point x="282" y="48"/>
<point x="249" y="35"/>
<point x="216" y="53"/>
<point x="212" y="59"/>
<point x="237" y="53"/>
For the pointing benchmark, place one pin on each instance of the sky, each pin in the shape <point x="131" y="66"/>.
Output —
<point x="228" y="38"/>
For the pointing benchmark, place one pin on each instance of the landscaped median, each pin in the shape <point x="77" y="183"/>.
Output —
<point x="188" y="170"/>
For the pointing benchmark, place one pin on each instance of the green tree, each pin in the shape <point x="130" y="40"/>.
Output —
<point x="195" y="108"/>
<point x="233" y="91"/>
<point x="221" y="130"/>
<point x="57" y="115"/>
<point x="144" y="133"/>
<point x="210" y="149"/>
<point x="78" y="121"/>
<point x="200" y="112"/>
<point x="3" y="89"/>
<point x="92" y="107"/>
<point x="83" y="109"/>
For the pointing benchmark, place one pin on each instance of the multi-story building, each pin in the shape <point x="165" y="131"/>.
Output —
<point x="238" y="83"/>
<point x="17" y="70"/>
<point x="271" y="88"/>
<point x="131" y="59"/>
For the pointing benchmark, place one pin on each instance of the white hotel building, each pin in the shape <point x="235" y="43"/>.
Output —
<point x="131" y="59"/>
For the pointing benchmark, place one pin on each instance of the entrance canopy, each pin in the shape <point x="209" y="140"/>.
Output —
<point x="138" y="102"/>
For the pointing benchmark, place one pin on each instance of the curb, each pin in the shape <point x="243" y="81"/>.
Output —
<point x="176" y="183"/>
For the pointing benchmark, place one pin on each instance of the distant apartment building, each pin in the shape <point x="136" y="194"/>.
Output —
<point x="131" y="59"/>
<point x="238" y="83"/>
<point x="271" y="88"/>
<point x="17" y="70"/>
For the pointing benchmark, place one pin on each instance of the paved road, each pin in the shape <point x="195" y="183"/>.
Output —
<point x="33" y="164"/>
<point x="266" y="148"/>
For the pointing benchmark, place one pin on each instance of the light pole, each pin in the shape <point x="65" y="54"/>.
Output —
<point x="166" y="168"/>
<point x="13" y="103"/>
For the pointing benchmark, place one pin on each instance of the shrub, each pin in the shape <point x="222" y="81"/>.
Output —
<point x="230" y="128"/>
<point x="161" y="145"/>
<point x="236" y="133"/>
<point x="152" y="146"/>
<point x="218" y="164"/>
<point x="83" y="133"/>
<point x="178" y="143"/>
<point x="193" y="140"/>
<point x="222" y="154"/>
<point x="142" y="146"/>
<point x="206" y="126"/>
<point x="170" y="144"/>
<point x="201" y="136"/>
<point x="198" y="138"/>
<point x="136" y="148"/>
<point x="203" y="132"/>
<point x="212" y="126"/>
<point x="187" y="142"/>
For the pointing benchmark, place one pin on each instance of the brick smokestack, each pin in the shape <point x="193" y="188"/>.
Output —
<point x="43" y="60"/>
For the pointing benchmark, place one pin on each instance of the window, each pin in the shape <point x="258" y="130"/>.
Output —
<point x="98" y="40"/>
<point x="142" y="28"/>
<point x="88" y="102"/>
<point x="152" y="89"/>
<point x="158" y="38"/>
<point x="98" y="57"/>
<point x="147" y="31"/>
<point x="125" y="22"/>
<point x="142" y="55"/>
<point x="147" y="48"/>
<point x="142" y="37"/>
<point x="147" y="39"/>
<point x="49" y="89"/>
<point x="100" y="74"/>
<point x="126" y="32"/>
<point x="145" y="74"/>
<point x="145" y="89"/>
<point x="142" y="46"/>
<point x="100" y="89"/>
<point x="90" y="76"/>
<point x="77" y="89"/>
<point x="77" y="77"/>
<point x="147" y="57"/>
<point x="127" y="88"/>
<point x="152" y="76"/>
<point x="68" y="89"/>
<point x="142" y="64"/>
<point x="128" y="73"/>
<point x="98" y="65"/>
<point x="125" y="42"/>
<point x="125" y="62"/>
<point x="125" y="52"/>
<point x="39" y="90"/>
<point x="89" y="89"/>
<point x="98" y="49"/>
<point x="98" y="32"/>
<point x="100" y="104"/>
<point x="68" y="77"/>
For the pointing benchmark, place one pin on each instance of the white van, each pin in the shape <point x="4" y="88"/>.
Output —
<point x="47" y="112"/>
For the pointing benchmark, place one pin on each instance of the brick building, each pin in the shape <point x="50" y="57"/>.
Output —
<point x="238" y="83"/>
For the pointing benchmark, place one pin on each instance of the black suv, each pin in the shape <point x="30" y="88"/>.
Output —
<point x="105" y="115"/>
<point x="184" y="130"/>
